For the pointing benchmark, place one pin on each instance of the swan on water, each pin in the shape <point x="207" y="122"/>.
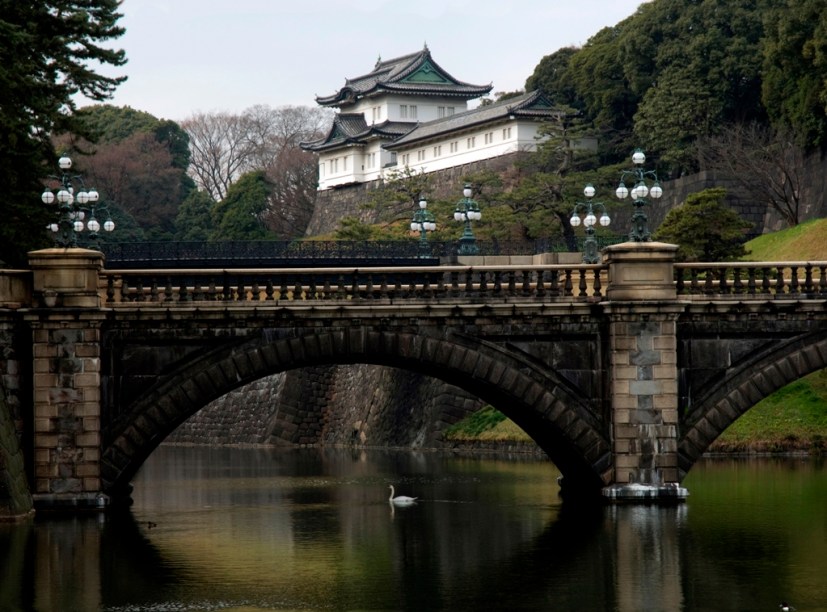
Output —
<point x="401" y="500"/>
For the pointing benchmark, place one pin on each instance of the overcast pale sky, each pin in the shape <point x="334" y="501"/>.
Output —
<point x="188" y="56"/>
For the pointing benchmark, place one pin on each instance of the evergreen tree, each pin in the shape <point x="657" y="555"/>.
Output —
<point x="239" y="215"/>
<point x="795" y="70"/>
<point x="47" y="53"/>
<point x="705" y="228"/>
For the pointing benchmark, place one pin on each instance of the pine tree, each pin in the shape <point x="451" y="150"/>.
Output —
<point x="47" y="50"/>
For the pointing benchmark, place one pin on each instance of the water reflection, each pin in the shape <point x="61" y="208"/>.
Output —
<point x="236" y="529"/>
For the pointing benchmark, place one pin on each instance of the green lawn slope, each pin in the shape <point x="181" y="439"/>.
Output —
<point x="792" y="419"/>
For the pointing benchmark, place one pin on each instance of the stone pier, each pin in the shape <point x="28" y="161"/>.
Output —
<point x="643" y="312"/>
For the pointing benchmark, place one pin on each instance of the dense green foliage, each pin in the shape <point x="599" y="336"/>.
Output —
<point x="704" y="228"/>
<point x="676" y="71"/>
<point x="795" y="69"/>
<point x="238" y="216"/>
<point x="47" y="51"/>
<point x="139" y="165"/>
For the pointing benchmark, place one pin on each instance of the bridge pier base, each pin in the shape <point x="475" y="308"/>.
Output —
<point x="66" y="350"/>
<point x="643" y="313"/>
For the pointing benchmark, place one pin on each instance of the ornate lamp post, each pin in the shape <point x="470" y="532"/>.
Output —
<point x="467" y="210"/>
<point x="590" y="251"/>
<point x="423" y="222"/>
<point x="640" y="230"/>
<point x="72" y="209"/>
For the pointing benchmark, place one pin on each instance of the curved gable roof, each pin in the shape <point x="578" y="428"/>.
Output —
<point x="415" y="73"/>
<point x="352" y="129"/>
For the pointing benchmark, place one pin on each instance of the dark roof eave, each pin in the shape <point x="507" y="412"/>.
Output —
<point x="401" y="143"/>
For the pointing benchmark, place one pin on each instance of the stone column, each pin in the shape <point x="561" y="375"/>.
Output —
<point x="642" y="312"/>
<point x="66" y="350"/>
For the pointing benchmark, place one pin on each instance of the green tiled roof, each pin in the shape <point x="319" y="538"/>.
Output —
<point x="412" y="74"/>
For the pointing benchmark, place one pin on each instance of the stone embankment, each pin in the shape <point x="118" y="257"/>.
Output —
<point x="332" y="405"/>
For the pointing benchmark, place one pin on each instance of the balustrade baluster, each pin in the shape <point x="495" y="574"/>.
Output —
<point x="526" y="285"/>
<point x="383" y="288"/>
<point x="455" y="290"/>
<point x="197" y="293"/>
<point x="723" y="286"/>
<point x="751" y="281"/>
<point x="440" y="285"/>
<point x="679" y="281"/>
<point x="695" y="288"/>
<point x="139" y="291"/>
<point x="369" y="287"/>
<point x="822" y="281"/>
<point x="793" y="280"/>
<point x="809" y="287"/>
<point x="498" y="282"/>
<point x="567" y="287"/>
<point x="153" y="291"/>
<point x="597" y="285"/>
<point x="426" y="286"/>
<point x="737" y="285"/>
<point x="269" y="290"/>
<point x="168" y="290"/>
<point x="469" y="282"/>
<point x="341" y="292"/>
<point x="779" y="280"/>
<point x="483" y="290"/>
<point x="354" y="286"/>
<point x="581" y="284"/>
<point x="110" y="289"/>
<point x="328" y="293"/>
<point x="765" y="281"/>
<point x="311" y="289"/>
<point x="540" y="289"/>
<point x="709" y="284"/>
<point x="512" y="282"/>
<point x="555" y="282"/>
<point x="297" y="290"/>
<point x="283" y="292"/>
<point x="183" y="295"/>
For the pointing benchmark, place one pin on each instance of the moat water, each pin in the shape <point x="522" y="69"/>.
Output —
<point x="265" y="529"/>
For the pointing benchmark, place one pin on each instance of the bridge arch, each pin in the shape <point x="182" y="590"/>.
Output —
<point x="745" y="386"/>
<point x="536" y="398"/>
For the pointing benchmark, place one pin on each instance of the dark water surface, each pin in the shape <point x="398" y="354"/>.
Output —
<point x="265" y="529"/>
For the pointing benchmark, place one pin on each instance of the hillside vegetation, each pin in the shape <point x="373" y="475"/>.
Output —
<point x="791" y="419"/>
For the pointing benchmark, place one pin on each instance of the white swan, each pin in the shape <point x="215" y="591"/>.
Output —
<point x="401" y="500"/>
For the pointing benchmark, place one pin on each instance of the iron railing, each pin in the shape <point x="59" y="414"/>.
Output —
<point x="289" y="253"/>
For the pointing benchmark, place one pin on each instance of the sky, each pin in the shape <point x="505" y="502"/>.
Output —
<point x="203" y="56"/>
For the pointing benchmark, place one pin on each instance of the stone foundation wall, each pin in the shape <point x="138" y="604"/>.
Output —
<point x="333" y="205"/>
<point x="361" y="405"/>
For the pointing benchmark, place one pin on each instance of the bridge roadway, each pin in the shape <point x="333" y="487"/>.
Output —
<point x="623" y="372"/>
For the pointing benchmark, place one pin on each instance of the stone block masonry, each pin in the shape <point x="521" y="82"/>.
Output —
<point x="357" y="405"/>
<point x="66" y="437"/>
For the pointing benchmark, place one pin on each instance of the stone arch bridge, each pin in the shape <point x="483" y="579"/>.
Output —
<point x="623" y="372"/>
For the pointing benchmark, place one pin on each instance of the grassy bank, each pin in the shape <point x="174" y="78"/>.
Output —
<point x="792" y="419"/>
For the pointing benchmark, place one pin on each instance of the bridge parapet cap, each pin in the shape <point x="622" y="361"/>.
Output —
<point x="641" y="271"/>
<point x="66" y="277"/>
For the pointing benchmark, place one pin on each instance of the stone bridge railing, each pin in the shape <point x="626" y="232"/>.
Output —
<point x="532" y="282"/>
<point x="581" y="282"/>
<point x="577" y="283"/>
<point x="751" y="280"/>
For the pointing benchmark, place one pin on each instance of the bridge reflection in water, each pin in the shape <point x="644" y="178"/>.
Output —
<point x="623" y="372"/>
<point x="311" y="529"/>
